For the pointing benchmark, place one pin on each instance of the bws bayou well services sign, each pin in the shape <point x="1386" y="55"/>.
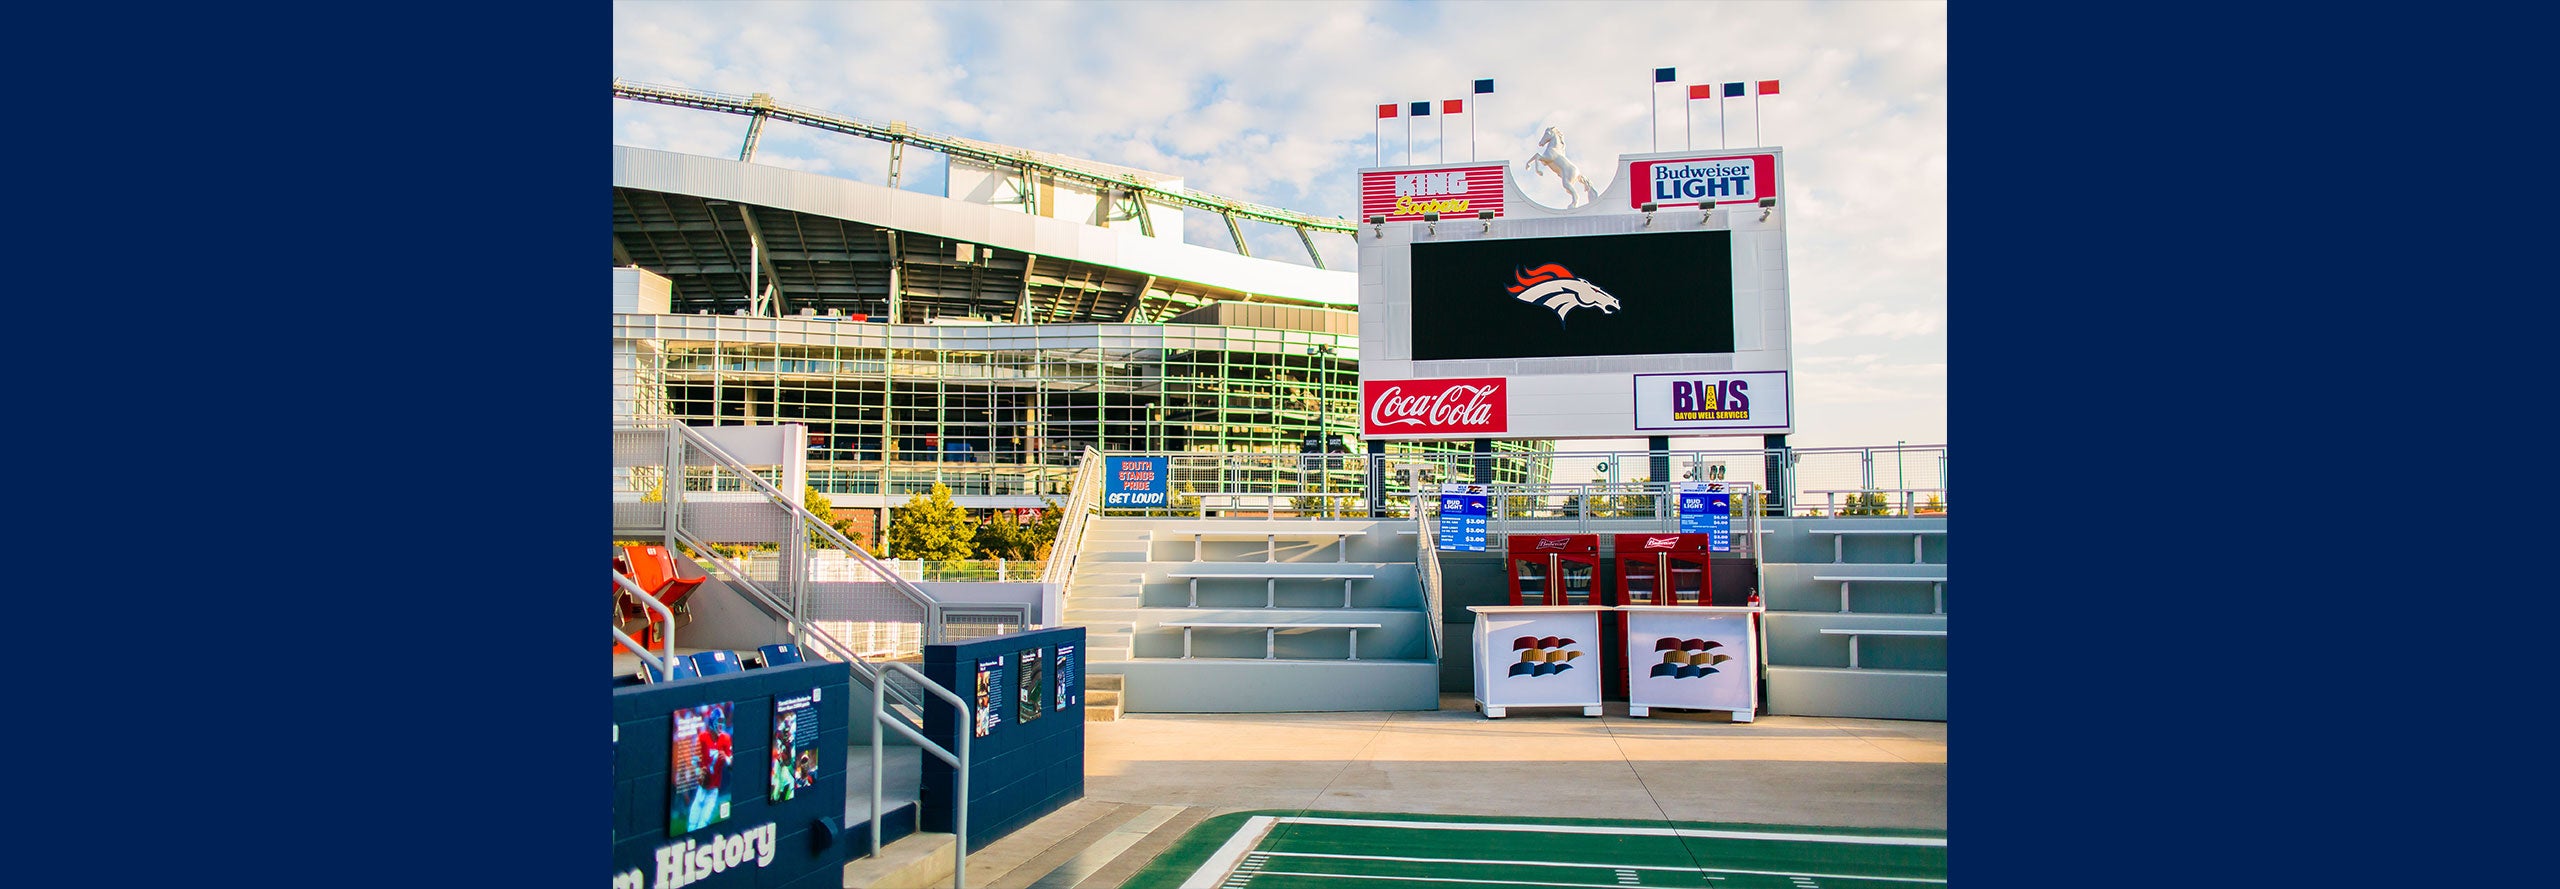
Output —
<point x="1135" y="482"/>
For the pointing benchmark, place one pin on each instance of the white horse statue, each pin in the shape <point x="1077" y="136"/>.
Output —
<point x="1551" y="153"/>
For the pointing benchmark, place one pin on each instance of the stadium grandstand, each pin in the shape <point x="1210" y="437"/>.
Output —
<point x="981" y="339"/>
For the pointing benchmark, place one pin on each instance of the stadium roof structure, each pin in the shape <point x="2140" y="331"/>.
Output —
<point x="736" y="237"/>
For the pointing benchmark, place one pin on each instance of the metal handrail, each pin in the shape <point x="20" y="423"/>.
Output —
<point x="1426" y="561"/>
<point x="666" y="639"/>
<point x="1064" y="549"/>
<point x="960" y="762"/>
<point x="745" y="585"/>
<point x="809" y="522"/>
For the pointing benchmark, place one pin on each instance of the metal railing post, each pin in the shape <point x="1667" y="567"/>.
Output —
<point x="959" y="763"/>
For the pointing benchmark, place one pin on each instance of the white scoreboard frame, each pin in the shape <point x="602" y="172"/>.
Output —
<point x="1593" y="397"/>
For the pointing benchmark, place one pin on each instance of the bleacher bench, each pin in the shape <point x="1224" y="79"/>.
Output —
<point x="1854" y="634"/>
<point x="1937" y="588"/>
<point x="1270" y="632"/>
<point x="1271" y="582"/>
<point x="1841" y="536"/>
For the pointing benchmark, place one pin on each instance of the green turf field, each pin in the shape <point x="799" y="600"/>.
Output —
<point x="1285" y="849"/>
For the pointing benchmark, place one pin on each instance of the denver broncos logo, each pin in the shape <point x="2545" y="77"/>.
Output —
<point x="1555" y="287"/>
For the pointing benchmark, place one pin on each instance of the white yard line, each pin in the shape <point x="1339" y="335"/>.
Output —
<point x="1215" y="869"/>
<point x="1851" y="839"/>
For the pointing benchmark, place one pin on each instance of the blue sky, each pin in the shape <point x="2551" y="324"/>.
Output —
<point x="1275" y="103"/>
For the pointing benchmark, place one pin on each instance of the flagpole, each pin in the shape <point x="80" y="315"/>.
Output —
<point x="1408" y="137"/>
<point x="1652" y="122"/>
<point x="1475" y="107"/>
<point x="1720" y="103"/>
<point x="1755" y="117"/>
<point x="1687" y="124"/>
<point x="1443" y="147"/>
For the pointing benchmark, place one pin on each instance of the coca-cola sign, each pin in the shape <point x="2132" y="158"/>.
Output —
<point x="1455" y="408"/>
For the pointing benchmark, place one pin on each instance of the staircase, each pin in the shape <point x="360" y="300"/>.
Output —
<point x="1104" y="597"/>
<point x="1131" y="593"/>
<point x="1102" y="692"/>
<point x="1895" y="608"/>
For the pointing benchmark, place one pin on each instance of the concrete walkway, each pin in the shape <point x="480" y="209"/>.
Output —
<point x="1149" y="777"/>
<point x="1556" y="763"/>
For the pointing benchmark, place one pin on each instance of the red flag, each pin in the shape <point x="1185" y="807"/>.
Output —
<point x="1453" y="106"/>
<point x="1768" y="87"/>
<point x="1702" y="91"/>
<point x="1386" y="111"/>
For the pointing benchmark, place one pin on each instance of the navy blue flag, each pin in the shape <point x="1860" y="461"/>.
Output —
<point x="1422" y="109"/>
<point x="1485" y="85"/>
<point x="1663" y="75"/>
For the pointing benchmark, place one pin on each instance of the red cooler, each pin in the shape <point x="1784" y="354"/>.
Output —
<point x="1555" y="569"/>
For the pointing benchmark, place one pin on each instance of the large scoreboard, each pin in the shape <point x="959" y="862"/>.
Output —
<point x="1504" y="318"/>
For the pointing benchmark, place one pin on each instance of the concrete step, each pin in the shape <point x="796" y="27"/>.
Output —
<point x="916" y="861"/>
<point x="1106" y="681"/>
<point x="1095" y="654"/>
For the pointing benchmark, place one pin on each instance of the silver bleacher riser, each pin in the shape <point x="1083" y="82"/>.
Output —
<point x="1787" y="586"/>
<point x="1400" y="636"/>
<point x="1797" y="640"/>
<point x="1158" y="685"/>
<point x="1857" y="694"/>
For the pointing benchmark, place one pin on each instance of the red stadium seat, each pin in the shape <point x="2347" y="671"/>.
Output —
<point x="652" y="568"/>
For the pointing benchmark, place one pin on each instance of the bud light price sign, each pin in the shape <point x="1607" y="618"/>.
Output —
<point x="1463" y="509"/>
<point x="1706" y="508"/>
<point x="1135" y="482"/>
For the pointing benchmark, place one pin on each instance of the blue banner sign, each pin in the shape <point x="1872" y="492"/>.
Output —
<point x="1141" y="482"/>
<point x="1463" y="510"/>
<point x="1707" y="508"/>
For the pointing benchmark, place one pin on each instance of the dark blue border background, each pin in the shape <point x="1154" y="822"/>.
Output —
<point x="376" y="554"/>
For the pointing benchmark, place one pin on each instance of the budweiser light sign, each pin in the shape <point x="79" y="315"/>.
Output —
<point x="1404" y="195"/>
<point x="1740" y="179"/>
<point x="1454" y="408"/>
<point x="1733" y="401"/>
<point x="1653" y="293"/>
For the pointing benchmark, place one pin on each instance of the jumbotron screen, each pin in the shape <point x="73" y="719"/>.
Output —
<point x="1646" y="293"/>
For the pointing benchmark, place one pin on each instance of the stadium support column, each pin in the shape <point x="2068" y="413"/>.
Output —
<point x="1658" y="460"/>
<point x="1377" y="478"/>
<point x="1773" y="465"/>
<point x="1484" y="461"/>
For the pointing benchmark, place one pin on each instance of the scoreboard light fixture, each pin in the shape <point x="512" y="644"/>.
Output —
<point x="1379" y="220"/>
<point x="1486" y="216"/>
<point x="1431" y="222"/>
<point x="1767" y="206"/>
<point x="1648" y="209"/>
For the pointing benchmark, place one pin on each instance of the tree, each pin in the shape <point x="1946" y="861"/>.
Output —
<point x="1933" y="506"/>
<point x="1634" y="504"/>
<point x="1000" y="537"/>
<point x="932" y="528"/>
<point x="819" y="505"/>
